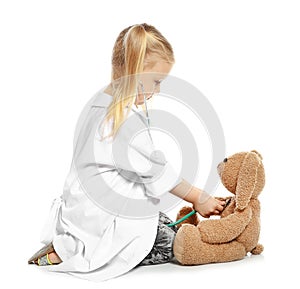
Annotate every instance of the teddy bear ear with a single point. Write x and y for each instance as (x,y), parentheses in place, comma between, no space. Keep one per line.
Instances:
(255,151)
(247,179)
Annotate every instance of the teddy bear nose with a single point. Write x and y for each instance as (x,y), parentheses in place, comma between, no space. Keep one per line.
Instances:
(225,160)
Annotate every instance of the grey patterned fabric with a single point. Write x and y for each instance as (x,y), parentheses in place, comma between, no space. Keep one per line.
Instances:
(43,261)
(162,250)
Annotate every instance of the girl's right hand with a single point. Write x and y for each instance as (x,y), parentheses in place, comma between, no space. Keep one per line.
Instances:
(207,205)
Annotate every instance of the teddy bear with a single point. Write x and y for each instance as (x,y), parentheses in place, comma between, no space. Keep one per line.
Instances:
(236,232)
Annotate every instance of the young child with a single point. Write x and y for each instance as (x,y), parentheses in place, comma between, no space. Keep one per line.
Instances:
(85,239)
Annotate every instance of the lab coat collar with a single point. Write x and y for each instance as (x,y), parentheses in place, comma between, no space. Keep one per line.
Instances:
(102,99)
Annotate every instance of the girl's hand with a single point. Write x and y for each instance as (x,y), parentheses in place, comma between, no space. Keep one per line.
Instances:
(207,205)
(202,202)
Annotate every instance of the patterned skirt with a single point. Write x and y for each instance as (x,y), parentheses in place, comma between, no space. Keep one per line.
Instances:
(162,250)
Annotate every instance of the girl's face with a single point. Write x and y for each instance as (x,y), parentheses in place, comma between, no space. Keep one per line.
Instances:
(151,79)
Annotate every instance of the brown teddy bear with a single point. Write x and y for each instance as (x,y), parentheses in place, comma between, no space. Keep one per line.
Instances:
(237,231)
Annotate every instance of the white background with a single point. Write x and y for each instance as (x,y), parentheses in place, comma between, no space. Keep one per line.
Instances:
(242,55)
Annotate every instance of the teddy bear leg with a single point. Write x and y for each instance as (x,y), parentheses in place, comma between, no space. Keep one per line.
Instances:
(227,252)
(189,249)
(187,245)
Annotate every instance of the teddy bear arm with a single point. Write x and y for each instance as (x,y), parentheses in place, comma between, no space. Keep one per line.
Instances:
(225,229)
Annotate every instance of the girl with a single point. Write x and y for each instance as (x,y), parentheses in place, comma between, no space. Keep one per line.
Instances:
(88,240)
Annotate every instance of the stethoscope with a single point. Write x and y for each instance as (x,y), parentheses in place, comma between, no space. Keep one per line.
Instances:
(148,129)
(145,102)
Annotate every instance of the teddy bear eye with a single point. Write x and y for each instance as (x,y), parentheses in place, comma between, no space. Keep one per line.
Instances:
(225,160)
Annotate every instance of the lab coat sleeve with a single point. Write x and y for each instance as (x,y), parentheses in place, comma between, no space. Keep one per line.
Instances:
(133,154)
(163,182)
(159,176)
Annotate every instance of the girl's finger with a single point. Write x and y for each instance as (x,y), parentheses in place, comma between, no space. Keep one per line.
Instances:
(222,203)
(220,208)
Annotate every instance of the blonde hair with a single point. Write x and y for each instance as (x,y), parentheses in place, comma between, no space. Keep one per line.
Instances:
(132,46)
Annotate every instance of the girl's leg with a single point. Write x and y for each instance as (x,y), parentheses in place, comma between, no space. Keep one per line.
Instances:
(162,250)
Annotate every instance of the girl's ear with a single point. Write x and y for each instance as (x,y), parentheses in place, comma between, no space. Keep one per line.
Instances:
(247,180)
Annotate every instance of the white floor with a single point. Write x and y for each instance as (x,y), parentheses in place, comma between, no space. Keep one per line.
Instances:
(248,273)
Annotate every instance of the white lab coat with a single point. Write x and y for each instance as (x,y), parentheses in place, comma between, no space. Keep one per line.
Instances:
(93,243)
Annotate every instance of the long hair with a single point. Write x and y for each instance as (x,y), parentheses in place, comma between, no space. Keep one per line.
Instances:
(132,46)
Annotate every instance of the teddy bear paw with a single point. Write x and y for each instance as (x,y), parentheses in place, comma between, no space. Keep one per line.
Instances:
(194,220)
